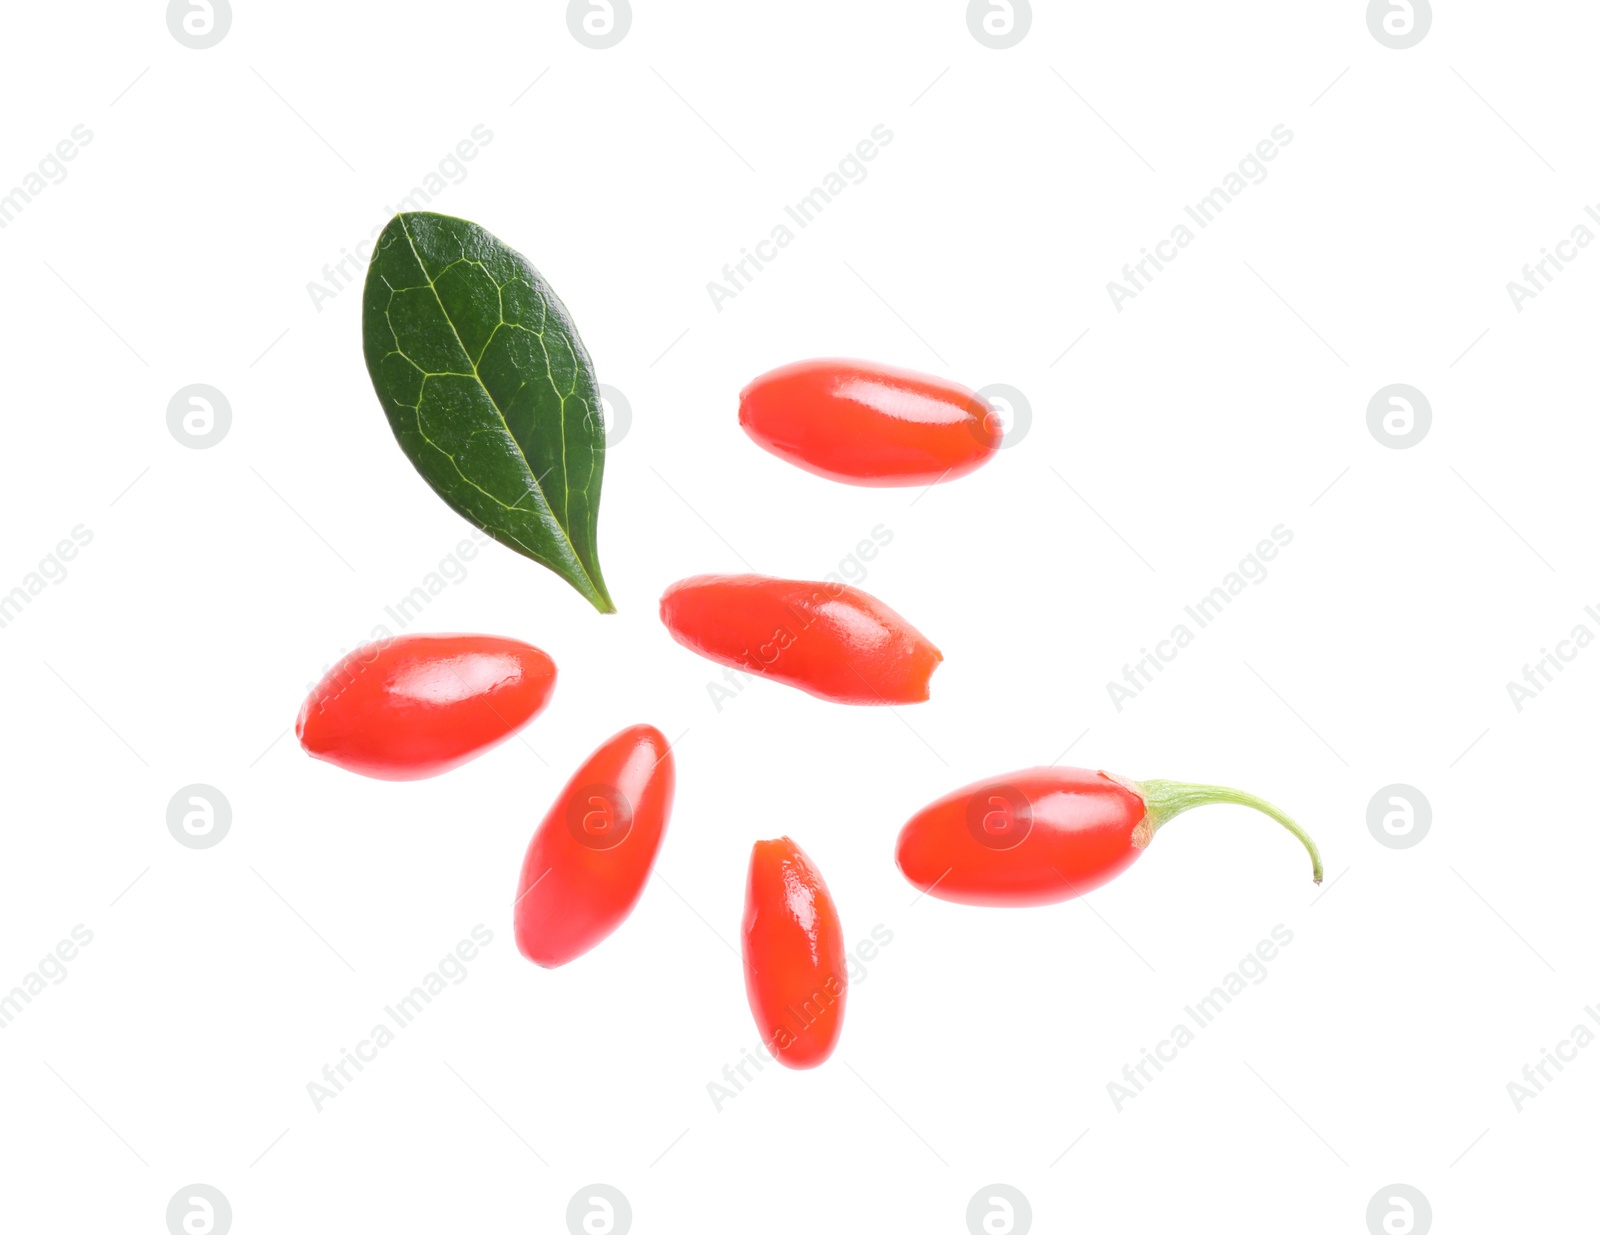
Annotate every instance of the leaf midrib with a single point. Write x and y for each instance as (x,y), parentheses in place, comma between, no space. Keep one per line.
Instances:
(405,230)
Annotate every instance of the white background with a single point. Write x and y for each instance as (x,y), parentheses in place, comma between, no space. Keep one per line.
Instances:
(1173,436)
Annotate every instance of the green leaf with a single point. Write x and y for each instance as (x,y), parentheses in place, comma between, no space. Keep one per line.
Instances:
(489,390)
